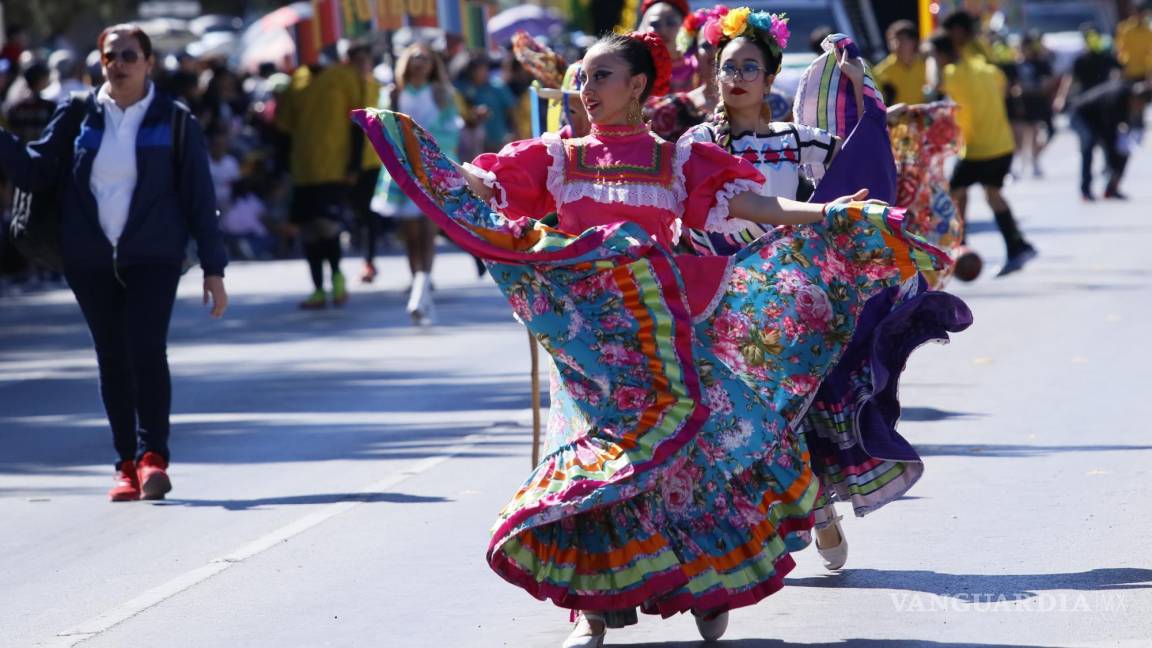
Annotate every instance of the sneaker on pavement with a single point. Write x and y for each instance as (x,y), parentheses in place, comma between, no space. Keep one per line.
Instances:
(316,301)
(368,274)
(152,473)
(420,307)
(339,290)
(127,485)
(1017,261)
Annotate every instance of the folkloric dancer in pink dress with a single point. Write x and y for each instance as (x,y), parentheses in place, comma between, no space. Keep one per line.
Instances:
(677,483)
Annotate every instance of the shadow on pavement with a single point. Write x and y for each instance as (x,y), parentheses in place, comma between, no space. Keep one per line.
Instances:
(274,416)
(984,450)
(319,498)
(1051,288)
(933,414)
(64,451)
(39,325)
(1090,226)
(981,588)
(844,643)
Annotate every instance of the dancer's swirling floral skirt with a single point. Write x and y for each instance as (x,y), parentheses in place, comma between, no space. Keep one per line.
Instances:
(850,425)
(683,485)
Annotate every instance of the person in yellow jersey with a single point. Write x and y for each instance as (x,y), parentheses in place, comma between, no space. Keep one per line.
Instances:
(978,88)
(902,76)
(327,162)
(963,29)
(1134,43)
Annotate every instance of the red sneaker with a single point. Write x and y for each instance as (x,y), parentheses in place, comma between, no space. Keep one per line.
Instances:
(368,275)
(154,482)
(127,486)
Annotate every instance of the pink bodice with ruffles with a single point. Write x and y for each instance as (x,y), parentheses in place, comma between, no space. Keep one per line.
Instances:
(624,174)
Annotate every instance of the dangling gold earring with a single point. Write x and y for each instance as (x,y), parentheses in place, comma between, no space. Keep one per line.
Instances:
(635,116)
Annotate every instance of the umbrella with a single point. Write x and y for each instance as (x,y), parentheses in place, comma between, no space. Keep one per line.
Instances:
(214,45)
(269,40)
(535,20)
(284,17)
(215,23)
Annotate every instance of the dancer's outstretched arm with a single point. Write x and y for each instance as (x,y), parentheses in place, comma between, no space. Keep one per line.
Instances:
(770,210)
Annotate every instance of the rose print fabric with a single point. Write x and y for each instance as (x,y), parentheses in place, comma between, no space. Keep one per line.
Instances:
(850,423)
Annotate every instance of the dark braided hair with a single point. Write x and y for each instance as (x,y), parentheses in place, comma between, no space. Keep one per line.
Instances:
(635,53)
(772,60)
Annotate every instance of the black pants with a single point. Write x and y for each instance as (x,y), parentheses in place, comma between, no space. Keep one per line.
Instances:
(319,210)
(128,317)
(360,199)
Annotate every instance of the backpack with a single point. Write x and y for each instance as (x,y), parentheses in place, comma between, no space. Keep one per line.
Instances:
(36,217)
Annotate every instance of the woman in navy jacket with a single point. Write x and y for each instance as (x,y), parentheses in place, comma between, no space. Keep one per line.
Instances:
(128,208)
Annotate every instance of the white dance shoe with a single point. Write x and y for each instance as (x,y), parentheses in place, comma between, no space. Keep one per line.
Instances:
(835,556)
(712,629)
(582,636)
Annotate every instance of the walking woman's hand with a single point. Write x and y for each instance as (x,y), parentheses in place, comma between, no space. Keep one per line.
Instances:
(214,287)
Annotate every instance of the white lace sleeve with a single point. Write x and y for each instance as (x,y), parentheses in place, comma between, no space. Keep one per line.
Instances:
(555,183)
(683,154)
(698,133)
(499,198)
(719,220)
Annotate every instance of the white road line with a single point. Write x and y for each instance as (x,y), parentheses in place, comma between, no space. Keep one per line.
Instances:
(102,623)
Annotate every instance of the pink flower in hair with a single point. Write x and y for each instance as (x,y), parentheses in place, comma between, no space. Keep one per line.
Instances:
(711,32)
(780,32)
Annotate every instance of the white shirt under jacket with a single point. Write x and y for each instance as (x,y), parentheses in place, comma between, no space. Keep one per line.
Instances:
(114,169)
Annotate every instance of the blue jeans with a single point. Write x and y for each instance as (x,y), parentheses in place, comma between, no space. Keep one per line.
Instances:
(1090,138)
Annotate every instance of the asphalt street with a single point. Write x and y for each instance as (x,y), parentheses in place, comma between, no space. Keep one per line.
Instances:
(336,472)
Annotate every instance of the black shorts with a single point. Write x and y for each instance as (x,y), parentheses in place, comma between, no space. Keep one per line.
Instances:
(310,202)
(989,173)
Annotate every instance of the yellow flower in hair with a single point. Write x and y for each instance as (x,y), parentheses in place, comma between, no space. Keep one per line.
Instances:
(734,24)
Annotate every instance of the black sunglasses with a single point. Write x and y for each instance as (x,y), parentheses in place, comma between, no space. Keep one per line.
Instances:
(668,21)
(128,56)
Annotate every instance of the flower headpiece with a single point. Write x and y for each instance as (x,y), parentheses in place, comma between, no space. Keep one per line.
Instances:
(662,83)
(702,23)
(770,28)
